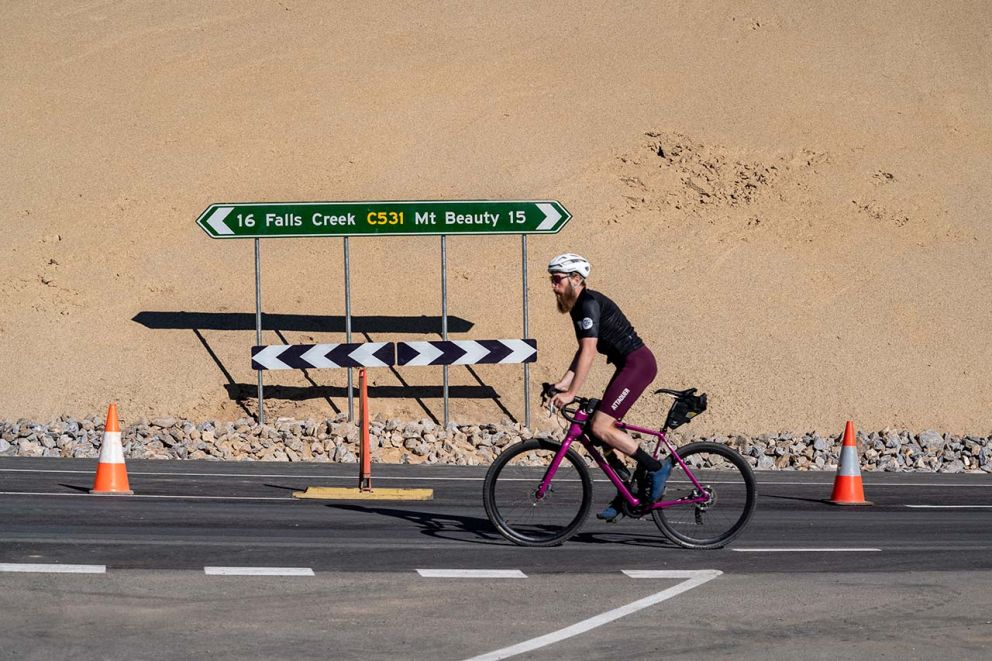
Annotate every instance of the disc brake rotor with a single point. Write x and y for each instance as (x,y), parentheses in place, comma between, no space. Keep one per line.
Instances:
(706,504)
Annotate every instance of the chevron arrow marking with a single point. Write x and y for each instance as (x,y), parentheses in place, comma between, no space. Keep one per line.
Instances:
(521,351)
(317,355)
(268,358)
(551,216)
(426,353)
(216,220)
(365,354)
(474,352)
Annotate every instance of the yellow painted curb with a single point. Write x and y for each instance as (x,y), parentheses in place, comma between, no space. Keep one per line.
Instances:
(344,493)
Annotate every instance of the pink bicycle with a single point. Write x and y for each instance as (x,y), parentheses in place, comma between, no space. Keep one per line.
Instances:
(538,492)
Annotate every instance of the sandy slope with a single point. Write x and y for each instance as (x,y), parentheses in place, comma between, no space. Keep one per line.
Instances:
(811,244)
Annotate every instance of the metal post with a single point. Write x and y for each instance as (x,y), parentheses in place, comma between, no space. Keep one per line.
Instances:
(523,261)
(258,327)
(444,315)
(347,323)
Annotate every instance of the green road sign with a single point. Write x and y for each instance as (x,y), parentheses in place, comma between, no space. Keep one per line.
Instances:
(257,220)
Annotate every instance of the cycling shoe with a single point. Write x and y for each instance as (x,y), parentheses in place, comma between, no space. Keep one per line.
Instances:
(657,480)
(613,511)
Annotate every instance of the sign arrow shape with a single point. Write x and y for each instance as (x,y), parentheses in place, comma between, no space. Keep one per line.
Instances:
(365,354)
(426,353)
(551,216)
(474,352)
(317,356)
(521,351)
(216,220)
(268,358)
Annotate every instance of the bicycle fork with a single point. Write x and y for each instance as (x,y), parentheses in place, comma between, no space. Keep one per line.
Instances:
(574,431)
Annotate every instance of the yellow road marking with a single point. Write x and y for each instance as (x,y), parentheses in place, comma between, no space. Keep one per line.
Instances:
(344,493)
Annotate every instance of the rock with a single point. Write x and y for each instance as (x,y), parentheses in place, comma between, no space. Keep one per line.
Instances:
(931,440)
(956,466)
(424,441)
(765,462)
(30,449)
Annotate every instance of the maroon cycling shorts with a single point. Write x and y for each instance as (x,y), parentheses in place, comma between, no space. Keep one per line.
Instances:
(631,378)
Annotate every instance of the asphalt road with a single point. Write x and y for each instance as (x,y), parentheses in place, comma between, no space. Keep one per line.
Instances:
(908,577)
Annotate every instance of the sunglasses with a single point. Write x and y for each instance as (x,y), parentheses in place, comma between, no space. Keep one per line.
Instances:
(558,277)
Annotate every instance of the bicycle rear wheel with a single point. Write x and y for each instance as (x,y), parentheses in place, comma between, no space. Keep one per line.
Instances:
(510,494)
(728,483)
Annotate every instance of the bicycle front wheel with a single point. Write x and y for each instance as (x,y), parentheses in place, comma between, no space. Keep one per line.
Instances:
(510,494)
(728,484)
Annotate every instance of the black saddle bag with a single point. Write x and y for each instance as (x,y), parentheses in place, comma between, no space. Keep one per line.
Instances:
(685,409)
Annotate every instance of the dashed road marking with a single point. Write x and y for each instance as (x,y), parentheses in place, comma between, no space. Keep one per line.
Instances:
(52,568)
(471,573)
(258,571)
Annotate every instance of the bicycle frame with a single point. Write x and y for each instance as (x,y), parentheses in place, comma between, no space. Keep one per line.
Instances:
(576,431)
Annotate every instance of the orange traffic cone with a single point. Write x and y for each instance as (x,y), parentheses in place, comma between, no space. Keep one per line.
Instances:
(111,475)
(848,489)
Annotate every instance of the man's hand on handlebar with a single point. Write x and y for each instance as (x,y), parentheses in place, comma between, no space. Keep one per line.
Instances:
(560,400)
(549,391)
(554,397)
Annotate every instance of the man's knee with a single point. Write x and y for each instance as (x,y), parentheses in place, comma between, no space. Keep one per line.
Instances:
(602,424)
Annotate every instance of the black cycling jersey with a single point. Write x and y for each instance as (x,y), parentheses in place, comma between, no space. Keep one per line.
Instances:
(595,315)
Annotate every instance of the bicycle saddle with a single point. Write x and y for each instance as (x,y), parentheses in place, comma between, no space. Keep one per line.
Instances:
(677,393)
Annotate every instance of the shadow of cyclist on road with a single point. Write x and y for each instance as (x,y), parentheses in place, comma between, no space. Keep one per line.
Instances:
(473,529)
(478,530)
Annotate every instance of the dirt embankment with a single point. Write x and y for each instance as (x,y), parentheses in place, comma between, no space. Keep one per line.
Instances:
(789,203)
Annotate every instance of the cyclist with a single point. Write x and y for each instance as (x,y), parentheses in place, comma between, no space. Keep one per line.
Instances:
(601,326)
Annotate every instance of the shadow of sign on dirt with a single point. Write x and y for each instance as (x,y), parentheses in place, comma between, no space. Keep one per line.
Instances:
(245,321)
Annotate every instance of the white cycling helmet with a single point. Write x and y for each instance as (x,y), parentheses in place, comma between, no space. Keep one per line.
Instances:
(570,263)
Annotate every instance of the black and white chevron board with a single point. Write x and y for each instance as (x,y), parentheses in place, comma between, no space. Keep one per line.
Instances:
(384,354)
(309,356)
(466,352)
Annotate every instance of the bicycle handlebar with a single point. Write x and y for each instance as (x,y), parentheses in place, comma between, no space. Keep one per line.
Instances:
(568,411)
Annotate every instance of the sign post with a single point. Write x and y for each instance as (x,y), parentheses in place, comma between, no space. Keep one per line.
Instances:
(271,220)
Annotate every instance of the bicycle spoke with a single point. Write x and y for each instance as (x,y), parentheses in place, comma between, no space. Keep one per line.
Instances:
(511,500)
(728,492)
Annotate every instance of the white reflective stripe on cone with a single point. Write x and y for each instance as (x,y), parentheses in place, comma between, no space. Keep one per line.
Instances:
(111,452)
(849,462)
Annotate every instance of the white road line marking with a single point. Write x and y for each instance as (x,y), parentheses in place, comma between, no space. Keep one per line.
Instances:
(696,578)
(471,573)
(52,569)
(258,571)
(669,573)
(140,496)
(378,478)
(948,507)
(480,478)
(806,550)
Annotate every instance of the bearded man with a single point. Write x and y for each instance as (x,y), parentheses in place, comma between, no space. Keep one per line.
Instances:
(601,327)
